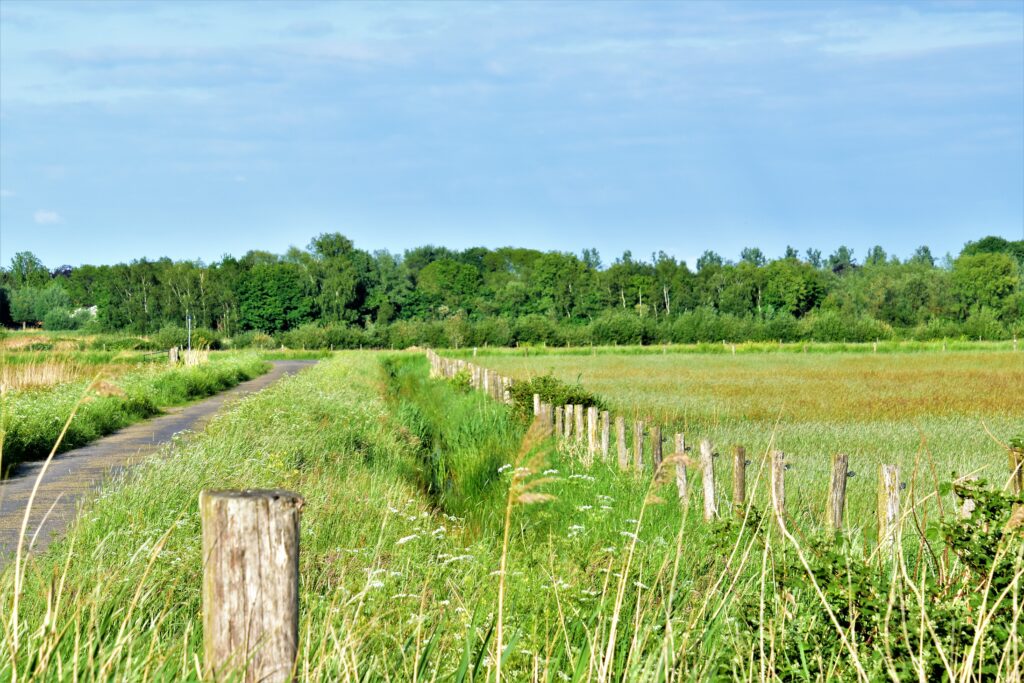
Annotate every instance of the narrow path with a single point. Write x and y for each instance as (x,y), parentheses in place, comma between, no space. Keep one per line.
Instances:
(75,473)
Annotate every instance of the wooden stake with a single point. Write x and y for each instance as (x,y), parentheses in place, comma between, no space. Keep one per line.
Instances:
(592,444)
(605,426)
(707,466)
(172,355)
(778,484)
(682,486)
(536,404)
(739,481)
(558,422)
(577,414)
(620,442)
(250,583)
(1016,457)
(888,507)
(969,504)
(568,420)
(656,446)
(837,491)
(638,445)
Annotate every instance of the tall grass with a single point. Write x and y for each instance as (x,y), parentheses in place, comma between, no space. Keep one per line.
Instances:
(589,573)
(31,420)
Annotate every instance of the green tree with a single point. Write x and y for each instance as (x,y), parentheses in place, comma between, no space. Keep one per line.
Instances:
(273,298)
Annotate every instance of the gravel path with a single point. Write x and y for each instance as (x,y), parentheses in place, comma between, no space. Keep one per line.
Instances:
(73,474)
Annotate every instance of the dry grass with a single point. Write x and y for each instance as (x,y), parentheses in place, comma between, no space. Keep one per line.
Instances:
(40,375)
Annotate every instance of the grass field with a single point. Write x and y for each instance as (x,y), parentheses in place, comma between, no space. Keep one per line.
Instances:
(419,493)
(930,412)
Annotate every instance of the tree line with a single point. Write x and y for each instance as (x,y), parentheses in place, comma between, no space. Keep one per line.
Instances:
(333,294)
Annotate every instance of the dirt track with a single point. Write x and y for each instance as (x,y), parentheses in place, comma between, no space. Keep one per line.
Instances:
(74,474)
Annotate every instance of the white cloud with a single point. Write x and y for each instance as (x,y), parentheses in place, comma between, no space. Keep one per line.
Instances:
(46,217)
(5,193)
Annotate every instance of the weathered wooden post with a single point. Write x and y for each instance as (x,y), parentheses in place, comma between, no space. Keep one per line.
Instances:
(567,414)
(592,444)
(620,442)
(172,355)
(250,583)
(577,416)
(888,508)
(969,504)
(707,466)
(558,422)
(682,486)
(778,483)
(638,445)
(605,428)
(739,481)
(837,490)
(1016,458)
(536,404)
(656,446)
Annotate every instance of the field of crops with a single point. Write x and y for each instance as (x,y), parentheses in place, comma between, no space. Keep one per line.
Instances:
(443,538)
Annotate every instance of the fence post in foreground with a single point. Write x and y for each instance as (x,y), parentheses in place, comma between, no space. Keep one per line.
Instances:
(620,442)
(888,507)
(656,446)
(536,404)
(638,444)
(577,414)
(837,490)
(605,427)
(250,583)
(558,423)
(172,355)
(739,481)
(567,414)
(778,483)
(707,466)
(682,486)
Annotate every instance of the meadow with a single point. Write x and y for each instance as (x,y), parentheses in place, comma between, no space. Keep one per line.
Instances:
(445,538)
(932,413)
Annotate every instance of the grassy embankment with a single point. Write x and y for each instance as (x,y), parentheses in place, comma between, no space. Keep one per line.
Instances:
(117,393)
(409,483)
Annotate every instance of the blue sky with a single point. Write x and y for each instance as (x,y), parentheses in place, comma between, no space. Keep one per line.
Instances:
(197,129)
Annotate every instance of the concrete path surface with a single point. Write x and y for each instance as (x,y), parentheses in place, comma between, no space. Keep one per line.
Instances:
(73,474)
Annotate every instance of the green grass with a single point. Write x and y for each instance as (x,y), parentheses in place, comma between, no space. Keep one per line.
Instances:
(408,482)
(31,420)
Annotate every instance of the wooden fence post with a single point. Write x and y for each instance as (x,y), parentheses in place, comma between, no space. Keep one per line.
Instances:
(739,481)
(577,414)
(620,442)
(682,486)
(605,426)
(536,404)
(969,504)
(592,443)
(638,444)
(1016,456)
(250,583)
(707,466)
(656,446)
(837,490)
(888,507)
(172,355)
(558,422)
(778,483)
(567,415)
